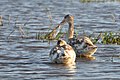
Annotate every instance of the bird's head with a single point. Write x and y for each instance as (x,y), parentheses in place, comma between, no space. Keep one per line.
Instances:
(67,19)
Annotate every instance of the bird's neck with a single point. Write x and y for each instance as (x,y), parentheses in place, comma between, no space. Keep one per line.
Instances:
(71,30)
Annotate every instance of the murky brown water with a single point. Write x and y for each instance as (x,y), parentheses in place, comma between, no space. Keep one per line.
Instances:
(27,58)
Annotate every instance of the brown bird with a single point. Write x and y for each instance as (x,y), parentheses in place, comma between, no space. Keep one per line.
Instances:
(62,53)
(83,46)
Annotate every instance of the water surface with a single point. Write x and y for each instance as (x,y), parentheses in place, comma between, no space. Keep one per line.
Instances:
(27,58)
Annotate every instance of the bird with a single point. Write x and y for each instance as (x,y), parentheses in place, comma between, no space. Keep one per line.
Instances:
(82,45)
(62,53)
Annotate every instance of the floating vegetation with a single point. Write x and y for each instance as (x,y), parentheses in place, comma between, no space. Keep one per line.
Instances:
(48,36)
(107,38)
(95,39)
(111,38)
(102,38)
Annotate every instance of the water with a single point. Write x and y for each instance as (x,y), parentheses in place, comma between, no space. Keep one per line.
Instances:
(27,58)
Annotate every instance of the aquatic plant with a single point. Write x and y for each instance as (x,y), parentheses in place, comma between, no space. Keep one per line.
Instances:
(49,36)
(18,27)
(104,38)
(111,38)
(107,38)
(101,38)
(54,33)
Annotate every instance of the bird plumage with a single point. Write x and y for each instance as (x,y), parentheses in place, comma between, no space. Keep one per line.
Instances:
(62,53)
(83,46)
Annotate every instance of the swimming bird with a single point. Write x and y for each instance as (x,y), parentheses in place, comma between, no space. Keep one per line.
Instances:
(83,46)
(62,53)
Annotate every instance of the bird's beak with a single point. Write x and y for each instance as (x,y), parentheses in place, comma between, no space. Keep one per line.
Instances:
(63,22)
